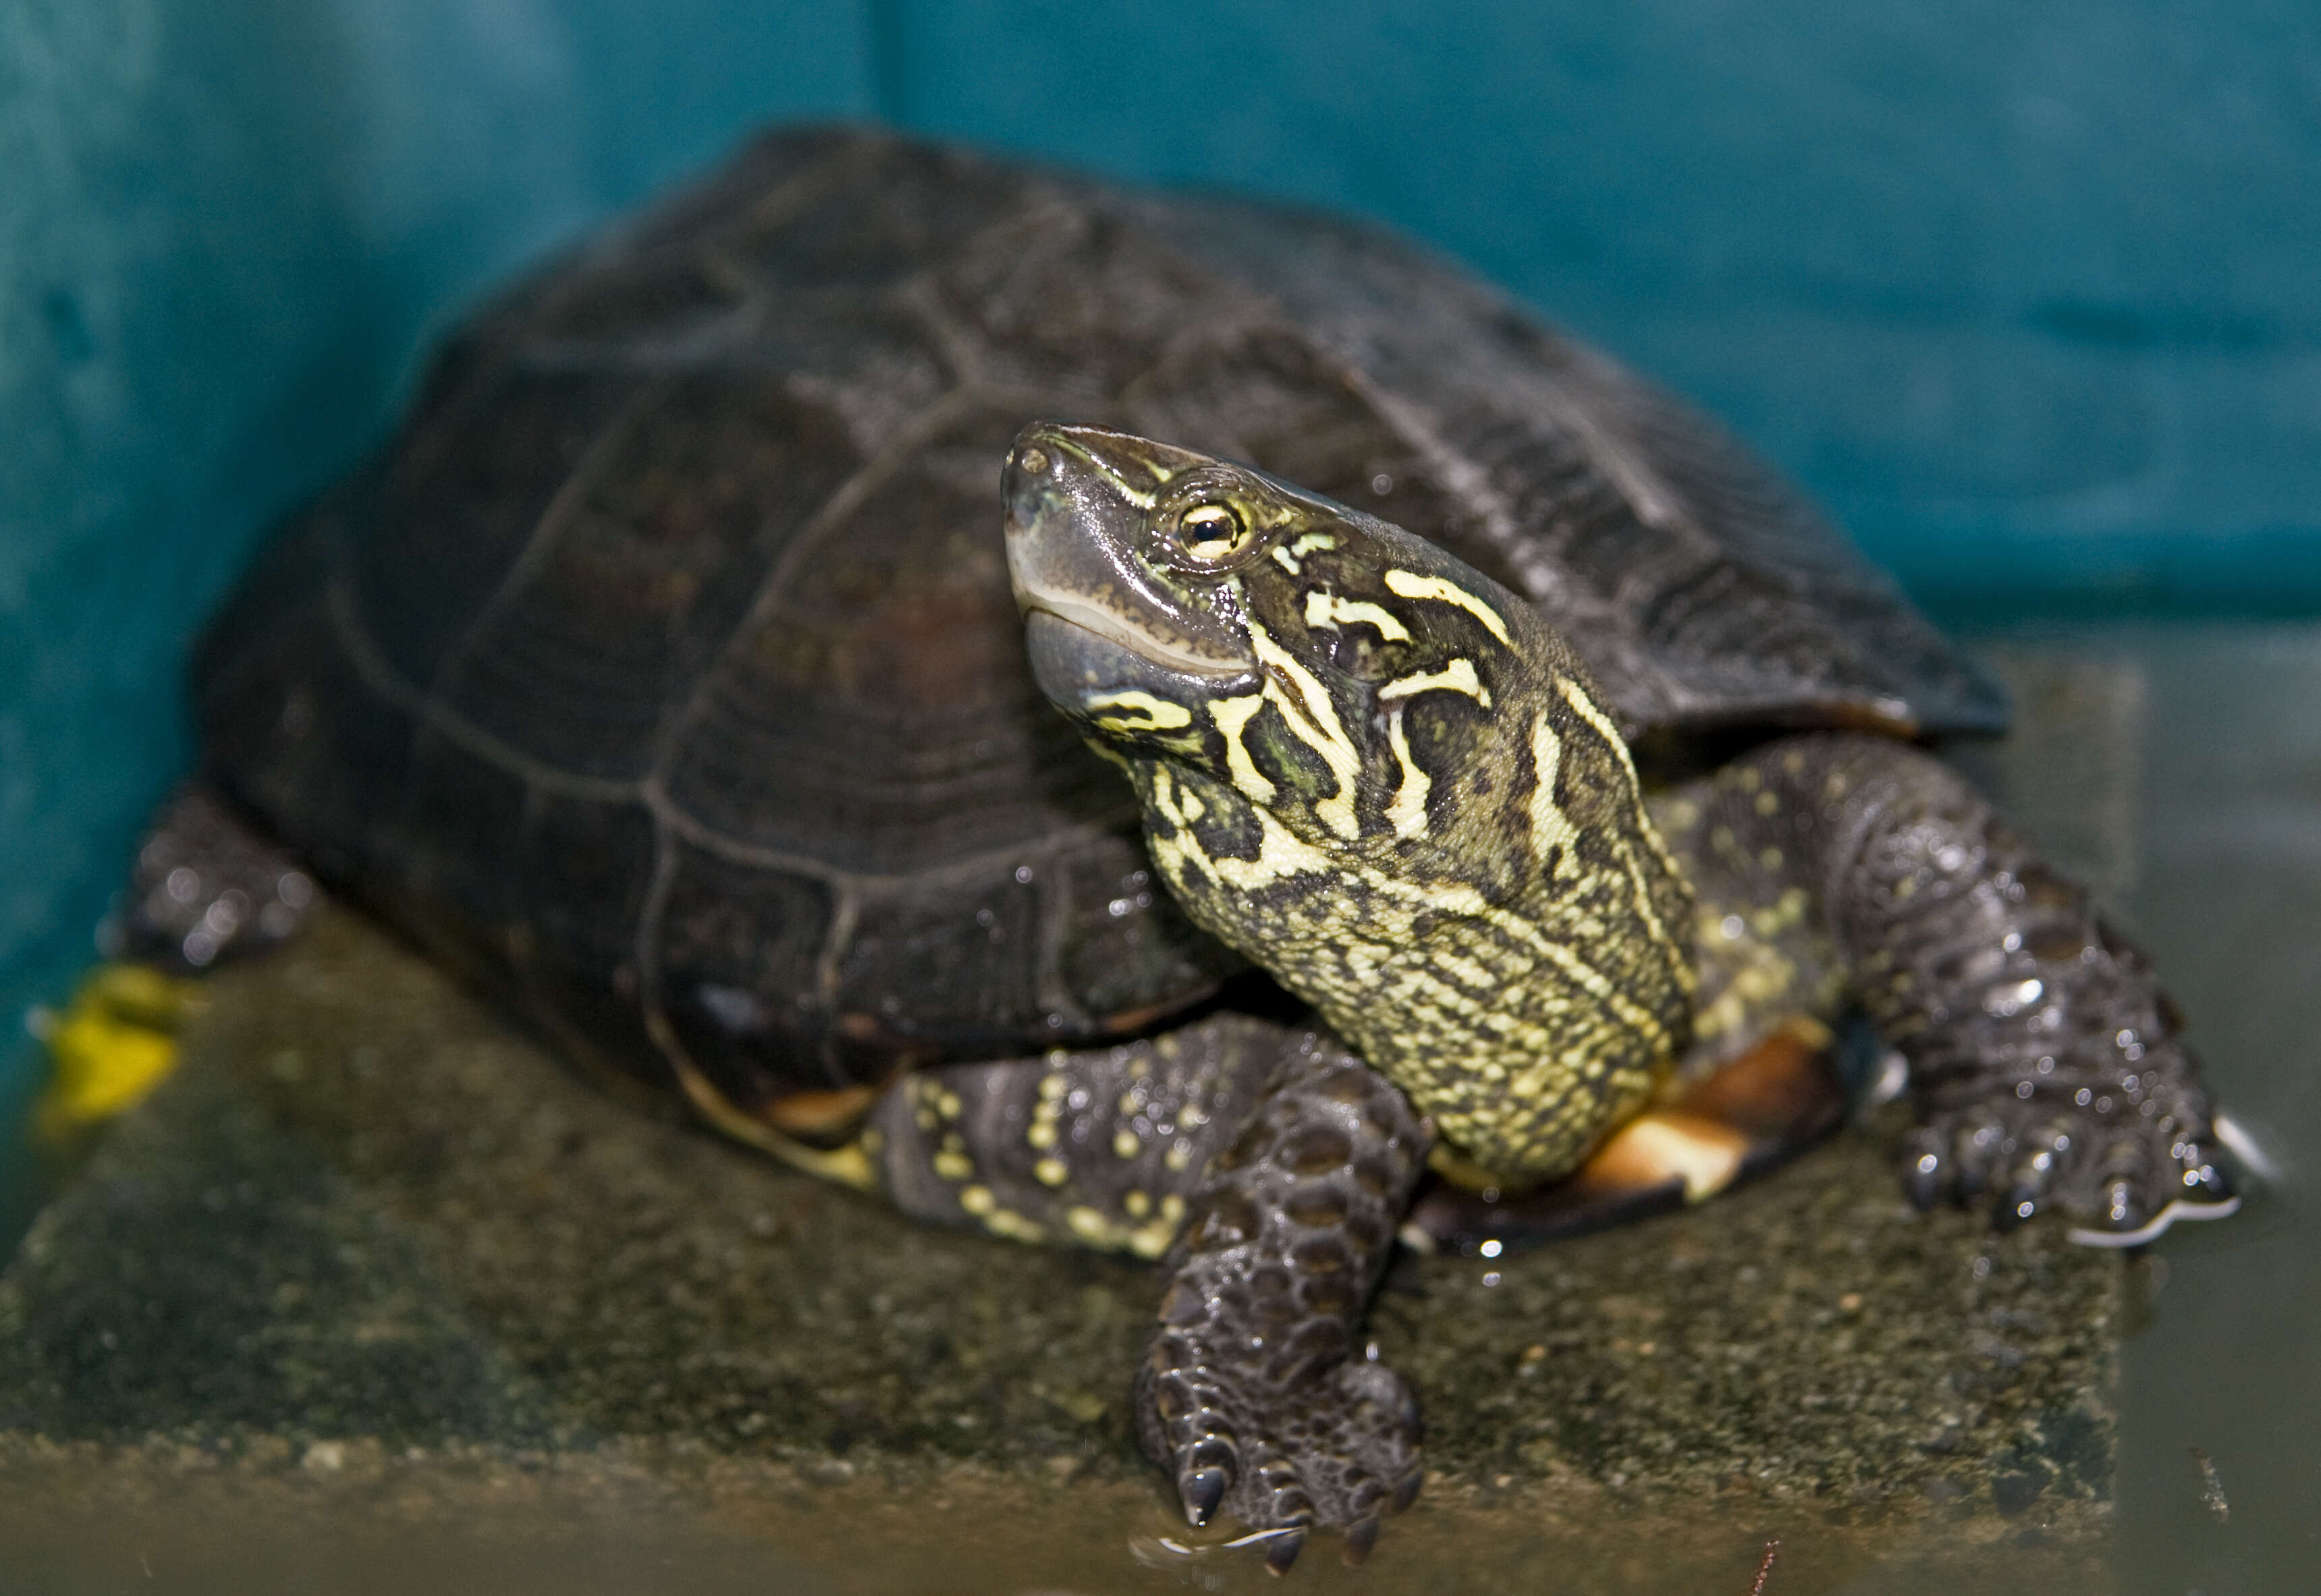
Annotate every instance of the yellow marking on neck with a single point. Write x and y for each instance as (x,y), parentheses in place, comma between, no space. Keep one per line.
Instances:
(1320,730)
(1327,609)
(1586,708)
(1309,541)
(1281,855)
(1457,676)
(1410,584)
(1158,714)
(1232,716)
(1106,752)
(1287,559)
(1550,828)
(1407,813)
(1281,852)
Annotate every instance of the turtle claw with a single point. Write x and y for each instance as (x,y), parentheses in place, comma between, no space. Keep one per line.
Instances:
(1201,1490)
(1336,1449)
(2018,1205)
(2122,1210)
(1925,1179)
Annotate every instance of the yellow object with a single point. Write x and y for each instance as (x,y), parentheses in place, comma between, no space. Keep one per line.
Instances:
(115,1041)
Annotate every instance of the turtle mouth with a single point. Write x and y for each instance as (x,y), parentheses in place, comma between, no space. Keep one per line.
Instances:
(1090,673)
(1112,629)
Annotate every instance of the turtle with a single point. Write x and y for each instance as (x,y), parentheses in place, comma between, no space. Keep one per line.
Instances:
(1156,721)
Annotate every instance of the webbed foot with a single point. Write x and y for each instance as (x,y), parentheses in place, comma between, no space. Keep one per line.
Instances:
(2127,1153)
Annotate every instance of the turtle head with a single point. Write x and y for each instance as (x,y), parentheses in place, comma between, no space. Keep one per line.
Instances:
(1349,682)
(1369,768)
(1183,607)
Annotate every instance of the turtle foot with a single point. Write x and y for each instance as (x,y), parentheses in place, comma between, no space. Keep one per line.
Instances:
(206,886)
(1255,1398)
(1337,1450)
(2126,1156)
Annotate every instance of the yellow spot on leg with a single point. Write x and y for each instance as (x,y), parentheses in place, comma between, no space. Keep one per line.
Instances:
(1013,1226)
(1092,1226)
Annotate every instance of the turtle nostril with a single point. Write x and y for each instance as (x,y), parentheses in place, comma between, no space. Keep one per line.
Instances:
(1023,487)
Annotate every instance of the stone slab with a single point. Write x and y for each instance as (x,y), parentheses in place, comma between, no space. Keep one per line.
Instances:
(373,1258)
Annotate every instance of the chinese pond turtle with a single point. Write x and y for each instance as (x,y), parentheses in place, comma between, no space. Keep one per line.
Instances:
(666,674)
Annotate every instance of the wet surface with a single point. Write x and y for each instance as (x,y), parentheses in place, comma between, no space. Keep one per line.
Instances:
(374,1290)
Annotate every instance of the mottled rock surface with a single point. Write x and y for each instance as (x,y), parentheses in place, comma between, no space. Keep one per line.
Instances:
(375,1294)
(372,1251)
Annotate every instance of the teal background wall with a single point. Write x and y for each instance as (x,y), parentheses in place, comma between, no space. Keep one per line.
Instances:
(2028,293)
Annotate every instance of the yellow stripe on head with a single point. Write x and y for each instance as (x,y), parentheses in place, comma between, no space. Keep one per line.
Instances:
(1457,676)
(1327,609)
(1410,584)
(1143,712)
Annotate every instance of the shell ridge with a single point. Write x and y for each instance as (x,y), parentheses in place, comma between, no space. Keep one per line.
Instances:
(669,740)
(540,543)
(380,674)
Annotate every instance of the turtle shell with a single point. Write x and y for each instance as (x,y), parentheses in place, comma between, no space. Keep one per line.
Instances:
(663,669)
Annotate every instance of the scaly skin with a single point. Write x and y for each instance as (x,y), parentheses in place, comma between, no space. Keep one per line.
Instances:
(1253,1396)
(1103,1146)
(1278,1166)
(2044,1057)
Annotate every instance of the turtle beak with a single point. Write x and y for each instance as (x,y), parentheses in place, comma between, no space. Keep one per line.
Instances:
(1078,500)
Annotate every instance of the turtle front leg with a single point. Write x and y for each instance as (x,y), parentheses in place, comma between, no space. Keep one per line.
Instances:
(2044,1057)
(1271,1167)
(1253,1394)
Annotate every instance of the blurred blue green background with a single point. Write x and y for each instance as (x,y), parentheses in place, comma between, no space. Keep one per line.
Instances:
(2028,294)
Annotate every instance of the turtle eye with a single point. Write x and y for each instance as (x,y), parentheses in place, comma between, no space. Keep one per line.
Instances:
(1210,534)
